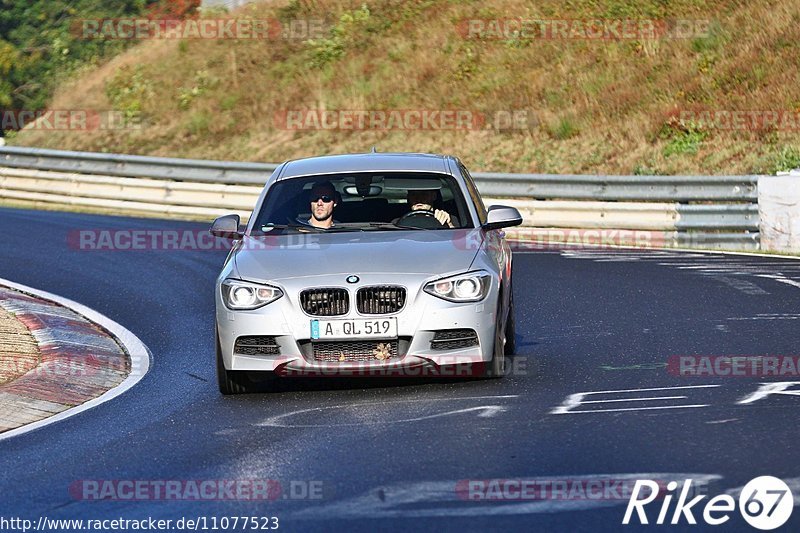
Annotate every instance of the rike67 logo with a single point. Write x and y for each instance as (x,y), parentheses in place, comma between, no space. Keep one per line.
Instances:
(766,503)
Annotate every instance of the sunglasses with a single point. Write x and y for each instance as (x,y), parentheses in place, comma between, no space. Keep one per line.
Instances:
(324,197)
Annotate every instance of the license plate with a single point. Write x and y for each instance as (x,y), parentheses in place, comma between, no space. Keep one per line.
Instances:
(357,328)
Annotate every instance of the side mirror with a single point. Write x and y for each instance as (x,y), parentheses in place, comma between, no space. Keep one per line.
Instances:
(227,227)
(501,216)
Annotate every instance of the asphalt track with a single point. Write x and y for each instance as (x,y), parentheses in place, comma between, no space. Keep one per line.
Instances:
(389,455)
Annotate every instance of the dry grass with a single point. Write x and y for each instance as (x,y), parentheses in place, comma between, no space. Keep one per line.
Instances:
(600,106)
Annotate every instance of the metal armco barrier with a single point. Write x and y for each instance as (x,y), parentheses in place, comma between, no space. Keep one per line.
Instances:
(616,188)
(135,166)
(711,212)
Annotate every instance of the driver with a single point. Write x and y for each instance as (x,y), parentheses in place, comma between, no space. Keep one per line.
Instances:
(423,199)
(323,200)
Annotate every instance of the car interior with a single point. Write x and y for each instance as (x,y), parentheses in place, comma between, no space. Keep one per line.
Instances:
(362,199)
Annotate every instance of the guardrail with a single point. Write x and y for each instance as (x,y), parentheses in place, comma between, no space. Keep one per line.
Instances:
(135,166)
(695,211)
(621,188)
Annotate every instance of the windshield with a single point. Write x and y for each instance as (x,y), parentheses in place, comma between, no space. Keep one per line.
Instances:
(364,202)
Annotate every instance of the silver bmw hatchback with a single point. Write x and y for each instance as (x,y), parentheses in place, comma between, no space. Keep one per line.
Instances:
(365,265)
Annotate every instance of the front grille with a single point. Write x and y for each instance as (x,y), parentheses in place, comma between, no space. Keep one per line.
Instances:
(453,339)
(354,351)
(380,300)
(261,345)
(325,302)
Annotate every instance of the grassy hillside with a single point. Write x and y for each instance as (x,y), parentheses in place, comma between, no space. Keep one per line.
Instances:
(597,106)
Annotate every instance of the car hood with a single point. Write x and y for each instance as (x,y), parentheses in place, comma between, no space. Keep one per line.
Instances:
(370,252)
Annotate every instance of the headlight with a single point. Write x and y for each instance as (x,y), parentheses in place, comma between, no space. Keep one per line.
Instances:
(471,287)
(240,295)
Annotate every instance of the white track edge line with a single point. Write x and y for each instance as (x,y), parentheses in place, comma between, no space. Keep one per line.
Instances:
(617,247)
(137,351)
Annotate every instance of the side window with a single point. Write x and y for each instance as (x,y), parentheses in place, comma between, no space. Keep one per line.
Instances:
(473,193)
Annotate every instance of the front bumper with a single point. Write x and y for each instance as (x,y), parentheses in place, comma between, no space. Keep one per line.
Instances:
(422,315)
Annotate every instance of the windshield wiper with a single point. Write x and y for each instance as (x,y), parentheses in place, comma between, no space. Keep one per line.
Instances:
(267,228)
(385,225)
(333,229)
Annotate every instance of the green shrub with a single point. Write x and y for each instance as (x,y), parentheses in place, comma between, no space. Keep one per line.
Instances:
(683,138)
(787,159)
(128,92)
(645,170)
(202,82)
(565,128)
(199,123)
(343,35)
(228,102)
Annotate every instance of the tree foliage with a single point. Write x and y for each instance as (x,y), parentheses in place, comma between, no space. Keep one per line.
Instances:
(40,42)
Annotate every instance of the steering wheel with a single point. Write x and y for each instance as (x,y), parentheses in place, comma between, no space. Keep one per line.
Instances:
(422,218)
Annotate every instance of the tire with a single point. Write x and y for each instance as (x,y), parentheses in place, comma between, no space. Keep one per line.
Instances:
(495,368)
(230,381)
(511,329)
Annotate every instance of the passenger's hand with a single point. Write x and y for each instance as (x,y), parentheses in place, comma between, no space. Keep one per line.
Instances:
(443,217)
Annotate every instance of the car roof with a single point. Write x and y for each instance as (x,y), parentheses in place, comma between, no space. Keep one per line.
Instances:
(372,162)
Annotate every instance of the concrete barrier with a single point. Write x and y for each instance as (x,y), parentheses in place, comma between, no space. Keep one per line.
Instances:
(779,203)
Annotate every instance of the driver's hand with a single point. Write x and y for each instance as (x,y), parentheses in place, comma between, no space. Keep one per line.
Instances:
(443,217)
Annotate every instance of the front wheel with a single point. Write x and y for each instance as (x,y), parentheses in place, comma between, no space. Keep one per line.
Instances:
(511,328)
(496,367)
